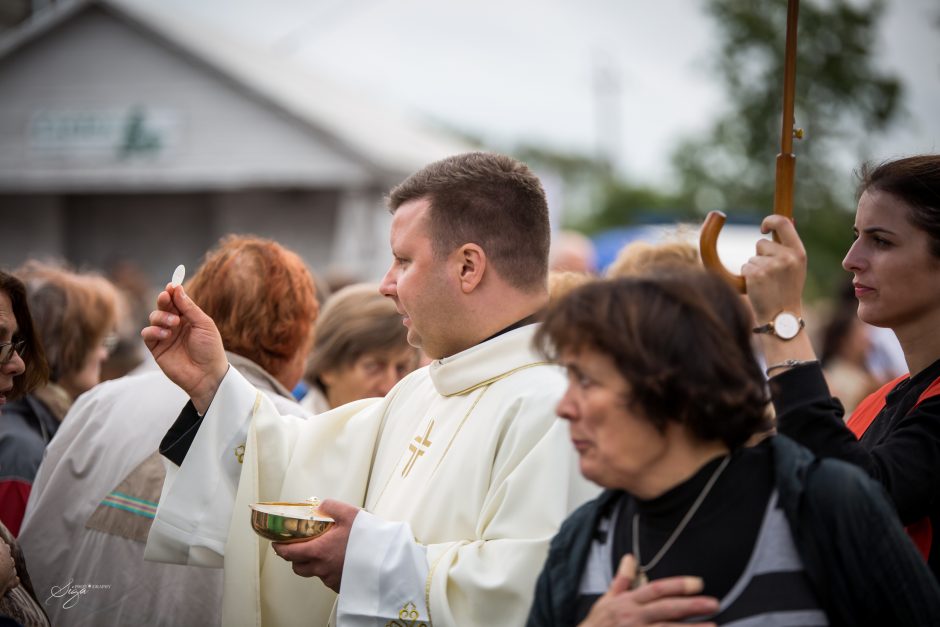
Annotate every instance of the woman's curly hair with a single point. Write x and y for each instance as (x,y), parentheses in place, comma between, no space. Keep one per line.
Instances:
(682,341)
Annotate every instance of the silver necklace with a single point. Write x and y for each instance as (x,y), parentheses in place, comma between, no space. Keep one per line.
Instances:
(641,578)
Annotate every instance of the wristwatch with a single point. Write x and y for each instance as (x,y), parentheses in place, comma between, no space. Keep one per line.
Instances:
(785,325)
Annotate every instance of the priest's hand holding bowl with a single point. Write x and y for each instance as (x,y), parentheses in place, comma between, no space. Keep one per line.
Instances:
(324,555)
(186,345)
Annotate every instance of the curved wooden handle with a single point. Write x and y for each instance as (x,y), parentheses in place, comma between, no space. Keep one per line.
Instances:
(786,164)
(708,246)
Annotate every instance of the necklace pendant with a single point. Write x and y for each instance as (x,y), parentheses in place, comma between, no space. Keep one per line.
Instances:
(640,580)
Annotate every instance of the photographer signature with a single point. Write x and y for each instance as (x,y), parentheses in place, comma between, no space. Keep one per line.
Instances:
(72,593)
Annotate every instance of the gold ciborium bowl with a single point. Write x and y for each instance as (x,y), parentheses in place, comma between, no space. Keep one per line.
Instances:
(288,522)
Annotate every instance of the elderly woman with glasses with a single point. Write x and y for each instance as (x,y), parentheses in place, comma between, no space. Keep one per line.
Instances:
(695,526)
(22,369)
(22,361)
(73,316)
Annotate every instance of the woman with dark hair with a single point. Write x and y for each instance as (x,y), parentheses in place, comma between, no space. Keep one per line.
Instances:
(663,393)
(18,376)
(894,434)
(73,315)
(22,369)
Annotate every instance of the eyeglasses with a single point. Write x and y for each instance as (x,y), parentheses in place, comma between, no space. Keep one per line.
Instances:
(8,348)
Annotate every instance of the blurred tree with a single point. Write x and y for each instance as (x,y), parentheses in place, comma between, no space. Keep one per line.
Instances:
(596,199)
(842,99)
(621,203)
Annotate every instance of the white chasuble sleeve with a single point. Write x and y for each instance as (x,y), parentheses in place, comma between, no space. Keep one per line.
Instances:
(192,520)
(384,575)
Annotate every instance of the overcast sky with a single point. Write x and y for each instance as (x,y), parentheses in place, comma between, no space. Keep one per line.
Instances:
(514,71)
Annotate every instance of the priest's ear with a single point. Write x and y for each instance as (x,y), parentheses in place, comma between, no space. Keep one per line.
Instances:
(471,265)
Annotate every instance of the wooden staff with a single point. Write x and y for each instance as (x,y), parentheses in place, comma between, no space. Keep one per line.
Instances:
(786,163)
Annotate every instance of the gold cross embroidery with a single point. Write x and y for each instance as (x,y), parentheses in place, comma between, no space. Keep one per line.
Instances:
(417,451)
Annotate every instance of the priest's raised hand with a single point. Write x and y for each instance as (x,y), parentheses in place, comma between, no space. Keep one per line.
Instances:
(186,345)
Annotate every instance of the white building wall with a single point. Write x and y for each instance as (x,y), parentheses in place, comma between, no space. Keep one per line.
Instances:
(361,235)
(212,133)
(301,220)
(210,157)
(33,228)
(155,232)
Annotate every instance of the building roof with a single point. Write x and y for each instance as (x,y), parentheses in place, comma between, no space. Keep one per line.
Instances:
(386,141)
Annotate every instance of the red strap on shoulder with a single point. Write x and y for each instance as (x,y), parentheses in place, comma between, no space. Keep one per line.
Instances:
(866,411)
(932,390)
(920,532)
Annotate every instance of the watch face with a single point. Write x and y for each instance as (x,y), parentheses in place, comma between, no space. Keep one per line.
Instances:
(786,325)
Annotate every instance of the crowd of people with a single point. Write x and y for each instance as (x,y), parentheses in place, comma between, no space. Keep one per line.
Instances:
(498,441)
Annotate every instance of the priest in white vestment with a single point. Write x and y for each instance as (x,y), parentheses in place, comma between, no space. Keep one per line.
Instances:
(462,472)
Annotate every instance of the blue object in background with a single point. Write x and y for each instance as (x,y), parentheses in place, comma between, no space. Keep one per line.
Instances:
(608,243)
(300,390)
(735,244)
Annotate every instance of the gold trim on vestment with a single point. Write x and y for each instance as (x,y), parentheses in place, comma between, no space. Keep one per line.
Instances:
(257,405)
(428,581)
(459,427)
(497,378)
(252,437)
(240,449)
